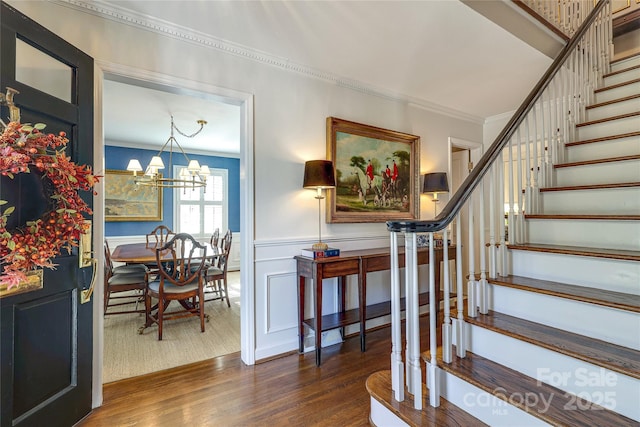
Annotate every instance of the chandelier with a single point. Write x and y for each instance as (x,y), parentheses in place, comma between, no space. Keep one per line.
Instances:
(192,176)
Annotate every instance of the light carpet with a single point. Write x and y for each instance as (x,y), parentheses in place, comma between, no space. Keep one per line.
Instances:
(128,354)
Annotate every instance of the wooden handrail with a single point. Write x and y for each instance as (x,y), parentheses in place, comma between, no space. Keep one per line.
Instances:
(484,164)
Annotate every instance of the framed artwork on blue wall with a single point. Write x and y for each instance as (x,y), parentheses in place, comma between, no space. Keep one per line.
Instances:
(126,201)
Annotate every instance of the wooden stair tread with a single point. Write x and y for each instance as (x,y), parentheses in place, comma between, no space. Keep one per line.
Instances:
(447,414)
(609,119)
(584,217)
(613,101)
(504,383)
(592,187)
(598,161)
(602,139)
(624,70)
(600,353)
(620,254)
(605,297)
(624,58)
(605,88)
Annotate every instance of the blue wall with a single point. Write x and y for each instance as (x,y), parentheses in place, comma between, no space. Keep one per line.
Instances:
(118,158)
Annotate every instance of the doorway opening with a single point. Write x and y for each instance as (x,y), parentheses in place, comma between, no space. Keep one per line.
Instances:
(243,273)
(463,155)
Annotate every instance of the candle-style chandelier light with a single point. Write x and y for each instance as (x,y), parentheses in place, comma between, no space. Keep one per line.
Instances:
(192,176)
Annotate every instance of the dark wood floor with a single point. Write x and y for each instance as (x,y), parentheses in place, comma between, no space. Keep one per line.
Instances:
(225,392)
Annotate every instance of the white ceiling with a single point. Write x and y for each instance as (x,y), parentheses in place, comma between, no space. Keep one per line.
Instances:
(139,116)
(430,52)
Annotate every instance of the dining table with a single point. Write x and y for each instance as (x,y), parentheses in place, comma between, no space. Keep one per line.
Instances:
(145,253)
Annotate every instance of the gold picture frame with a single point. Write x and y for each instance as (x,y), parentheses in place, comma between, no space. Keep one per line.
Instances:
(127,201)
(377,173)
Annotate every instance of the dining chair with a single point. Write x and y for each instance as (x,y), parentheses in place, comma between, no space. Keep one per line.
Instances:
(215,238)
(160,235)
(181,279)
(216,275)
(117,280)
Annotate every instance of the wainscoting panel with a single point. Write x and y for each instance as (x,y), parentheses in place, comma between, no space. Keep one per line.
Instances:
(276,291)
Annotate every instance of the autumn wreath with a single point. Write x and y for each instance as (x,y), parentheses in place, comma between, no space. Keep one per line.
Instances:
(24,148)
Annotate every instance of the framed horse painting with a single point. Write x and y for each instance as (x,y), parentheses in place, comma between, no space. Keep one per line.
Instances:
(377,173)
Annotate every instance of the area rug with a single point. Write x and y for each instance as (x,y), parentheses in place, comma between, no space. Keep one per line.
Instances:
(128,353)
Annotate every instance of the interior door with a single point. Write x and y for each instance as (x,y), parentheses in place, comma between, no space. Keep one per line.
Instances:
(46,334)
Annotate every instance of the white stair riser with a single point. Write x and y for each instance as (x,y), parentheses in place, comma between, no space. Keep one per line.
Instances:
(622,77)
(627,63)
(608,234)
(602,201)
(598,173)
(616,109)
(564,372)
(611,127)
(603,149)
(586,319)
(616,93)
(615,275)
(381,416)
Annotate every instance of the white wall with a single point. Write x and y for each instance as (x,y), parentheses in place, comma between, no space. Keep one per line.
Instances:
(289,128)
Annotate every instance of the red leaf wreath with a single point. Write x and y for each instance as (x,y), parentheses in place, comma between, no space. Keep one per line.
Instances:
(24,148)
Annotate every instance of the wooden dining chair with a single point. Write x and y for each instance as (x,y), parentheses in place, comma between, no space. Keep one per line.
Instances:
(180,278)
(131,279)
(215,238)
(160,235)
(216,275)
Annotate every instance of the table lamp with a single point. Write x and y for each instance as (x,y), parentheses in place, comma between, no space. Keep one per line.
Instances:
(319,175)
(435,183)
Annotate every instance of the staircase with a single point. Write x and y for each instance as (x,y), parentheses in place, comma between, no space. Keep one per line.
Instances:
(559,343)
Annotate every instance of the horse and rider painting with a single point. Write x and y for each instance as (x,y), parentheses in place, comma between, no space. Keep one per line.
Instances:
(376,173)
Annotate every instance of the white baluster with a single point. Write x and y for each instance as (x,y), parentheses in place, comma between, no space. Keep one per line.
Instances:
(492,222)
(397,365)
(482,286)
(461,329)
(472,302)
(408,283)
(534,190)
(543,151)
(414,375)
(433,372)
(520,222)
(502,250)
(527,188)
(446,327)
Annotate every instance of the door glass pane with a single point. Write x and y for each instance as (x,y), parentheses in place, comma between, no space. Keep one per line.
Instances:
(40,71)
(189,219)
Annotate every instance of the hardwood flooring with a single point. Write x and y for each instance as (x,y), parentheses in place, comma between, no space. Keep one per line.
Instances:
(225,392)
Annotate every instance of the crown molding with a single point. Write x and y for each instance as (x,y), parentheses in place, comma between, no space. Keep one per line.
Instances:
(159,26)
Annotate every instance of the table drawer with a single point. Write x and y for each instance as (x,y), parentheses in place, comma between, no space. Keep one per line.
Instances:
(339,268)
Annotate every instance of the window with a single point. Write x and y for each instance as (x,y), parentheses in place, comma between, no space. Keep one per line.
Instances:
(200,211)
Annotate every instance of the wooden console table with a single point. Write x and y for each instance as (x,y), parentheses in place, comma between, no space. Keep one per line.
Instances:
(358,262)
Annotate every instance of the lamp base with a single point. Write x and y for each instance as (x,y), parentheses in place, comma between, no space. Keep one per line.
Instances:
(319,246)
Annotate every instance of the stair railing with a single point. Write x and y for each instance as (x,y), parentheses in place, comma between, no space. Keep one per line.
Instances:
(519,162)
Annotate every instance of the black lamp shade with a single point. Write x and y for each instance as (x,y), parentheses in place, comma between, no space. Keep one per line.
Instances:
(435,183)
(319,174)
